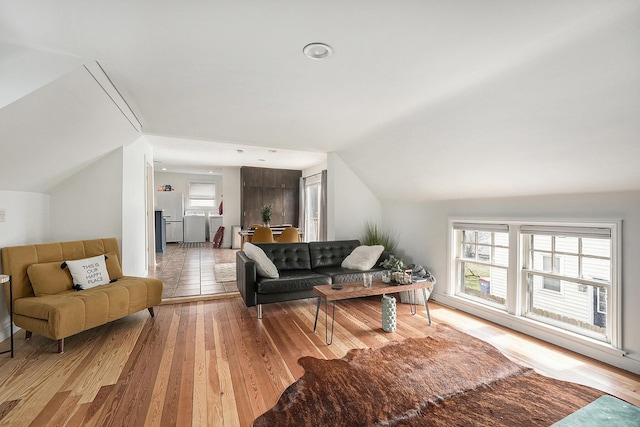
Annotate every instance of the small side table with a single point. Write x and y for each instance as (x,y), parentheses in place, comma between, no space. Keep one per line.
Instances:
(4,279)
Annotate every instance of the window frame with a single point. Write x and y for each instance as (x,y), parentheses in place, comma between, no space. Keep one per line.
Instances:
(518,290)
(461,259)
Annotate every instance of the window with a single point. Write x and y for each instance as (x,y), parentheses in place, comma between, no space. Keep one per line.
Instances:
(481,261)
(560,275)
(312,194)
(581,261)
(314,205)
(202,195)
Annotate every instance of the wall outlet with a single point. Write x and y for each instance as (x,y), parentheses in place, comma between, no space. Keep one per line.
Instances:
(3,213)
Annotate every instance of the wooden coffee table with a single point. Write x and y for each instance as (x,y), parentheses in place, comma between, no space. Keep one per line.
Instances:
(357,290)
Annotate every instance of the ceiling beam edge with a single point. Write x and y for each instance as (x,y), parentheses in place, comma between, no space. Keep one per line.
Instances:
(101,77)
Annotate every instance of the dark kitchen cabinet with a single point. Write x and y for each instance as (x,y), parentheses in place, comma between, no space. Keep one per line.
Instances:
(278,187)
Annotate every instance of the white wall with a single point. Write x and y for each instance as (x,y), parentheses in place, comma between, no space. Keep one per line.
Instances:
(232,215)
(424,240)
(180,183)
(134,207)
(26,70)
(350,203)
(89,204)
(314,169)
(27,222)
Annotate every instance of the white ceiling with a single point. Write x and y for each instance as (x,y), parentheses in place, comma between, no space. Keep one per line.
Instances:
(422,99)
(190,156)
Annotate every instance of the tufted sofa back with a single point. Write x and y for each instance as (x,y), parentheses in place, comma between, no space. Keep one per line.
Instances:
(288,256)
(308,256)
(331,254)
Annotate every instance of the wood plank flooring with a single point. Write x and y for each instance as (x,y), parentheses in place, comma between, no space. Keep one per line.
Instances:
(213,363)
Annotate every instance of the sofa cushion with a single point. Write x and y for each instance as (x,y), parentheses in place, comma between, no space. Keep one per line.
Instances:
(265,267)
(89,272)
(292,281)
(113,266)
(332,253)
(346,275)
(287,256)
(71,312)
(363,257)
(48,278)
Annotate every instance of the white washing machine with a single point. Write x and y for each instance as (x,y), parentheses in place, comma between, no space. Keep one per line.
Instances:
(195,227)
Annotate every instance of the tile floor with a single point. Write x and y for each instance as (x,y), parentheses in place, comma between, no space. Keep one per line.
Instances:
(188,271)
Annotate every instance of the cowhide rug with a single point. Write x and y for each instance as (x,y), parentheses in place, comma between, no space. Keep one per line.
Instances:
(448,379)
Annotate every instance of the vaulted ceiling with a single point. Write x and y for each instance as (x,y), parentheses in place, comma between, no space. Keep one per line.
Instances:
(422,99)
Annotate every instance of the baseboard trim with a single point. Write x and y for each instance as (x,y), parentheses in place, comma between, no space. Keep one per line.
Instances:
(179,300)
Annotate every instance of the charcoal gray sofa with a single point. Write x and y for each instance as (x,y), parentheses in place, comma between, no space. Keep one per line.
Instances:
(301,266)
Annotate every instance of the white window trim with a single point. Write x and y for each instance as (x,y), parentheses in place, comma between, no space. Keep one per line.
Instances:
(516,301)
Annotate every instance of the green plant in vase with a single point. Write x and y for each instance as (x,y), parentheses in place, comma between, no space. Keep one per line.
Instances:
(375,235)
(266,213)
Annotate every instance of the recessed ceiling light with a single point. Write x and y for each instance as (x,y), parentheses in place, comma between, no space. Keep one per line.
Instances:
(164,169)
(273,151)
(240,151)
(261,160)
(317,50)
(210,171)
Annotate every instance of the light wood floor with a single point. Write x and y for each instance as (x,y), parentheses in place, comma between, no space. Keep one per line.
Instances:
(213,363)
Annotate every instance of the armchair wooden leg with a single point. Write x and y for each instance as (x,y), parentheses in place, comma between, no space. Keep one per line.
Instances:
(27,335)
(151,311)
(61,345)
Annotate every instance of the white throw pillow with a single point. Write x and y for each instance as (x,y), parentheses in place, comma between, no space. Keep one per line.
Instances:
(89,272)
(265,267)
(363,257)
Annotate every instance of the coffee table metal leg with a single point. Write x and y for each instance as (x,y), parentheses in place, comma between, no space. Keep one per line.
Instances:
(326,321)
(413,302)
(426,304)
(315,324)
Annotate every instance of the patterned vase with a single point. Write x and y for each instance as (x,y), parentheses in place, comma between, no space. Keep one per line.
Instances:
(388,313)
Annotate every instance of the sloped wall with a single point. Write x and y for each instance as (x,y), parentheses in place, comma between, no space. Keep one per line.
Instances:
(350,202)
(57,130)
(88,205)
(26,70)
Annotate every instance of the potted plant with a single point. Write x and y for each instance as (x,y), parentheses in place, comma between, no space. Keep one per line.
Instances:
(265,213)
(375,235)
